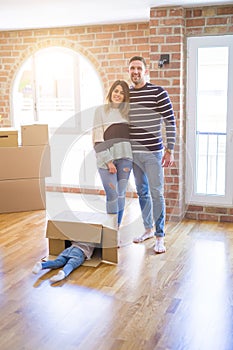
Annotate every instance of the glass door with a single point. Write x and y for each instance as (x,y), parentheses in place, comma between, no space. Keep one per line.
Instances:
(209,120)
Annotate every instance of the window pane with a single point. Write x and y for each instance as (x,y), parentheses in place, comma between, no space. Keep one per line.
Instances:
(55,82)
(211,119)
(23,95)
(212,89)
(53,86)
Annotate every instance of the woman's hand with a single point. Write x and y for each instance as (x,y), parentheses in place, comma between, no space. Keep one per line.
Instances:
(111,168)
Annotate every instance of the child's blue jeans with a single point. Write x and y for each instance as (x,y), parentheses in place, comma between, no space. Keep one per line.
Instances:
(71,258)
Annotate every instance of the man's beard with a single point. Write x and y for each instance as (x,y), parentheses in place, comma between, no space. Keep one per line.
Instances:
(137,81)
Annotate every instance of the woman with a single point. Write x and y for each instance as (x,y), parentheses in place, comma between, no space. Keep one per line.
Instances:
(112,147)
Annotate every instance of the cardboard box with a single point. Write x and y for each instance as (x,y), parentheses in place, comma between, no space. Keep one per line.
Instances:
(25,162)
(8,137)
(22,195)
(34,135)
(96,228)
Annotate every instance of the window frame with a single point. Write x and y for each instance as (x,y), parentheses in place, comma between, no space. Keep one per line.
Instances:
(193,43)
(78,102)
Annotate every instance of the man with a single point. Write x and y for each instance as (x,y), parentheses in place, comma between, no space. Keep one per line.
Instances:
(150,106)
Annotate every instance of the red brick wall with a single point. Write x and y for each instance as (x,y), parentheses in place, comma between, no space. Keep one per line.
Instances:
(213,20)
(167,28)
(199,212)
(109,48)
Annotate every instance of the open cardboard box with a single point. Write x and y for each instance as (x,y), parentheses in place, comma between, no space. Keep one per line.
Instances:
(90,227)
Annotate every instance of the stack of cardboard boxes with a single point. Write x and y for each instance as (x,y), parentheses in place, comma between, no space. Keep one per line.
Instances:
(24,168)
(22,188)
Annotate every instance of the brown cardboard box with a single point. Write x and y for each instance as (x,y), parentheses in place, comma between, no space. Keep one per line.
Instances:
(96,228)
(8,137)
(34,135)
(22,195)
(25,162)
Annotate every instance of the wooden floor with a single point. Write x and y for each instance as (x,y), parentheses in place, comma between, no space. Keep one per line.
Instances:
(179,300)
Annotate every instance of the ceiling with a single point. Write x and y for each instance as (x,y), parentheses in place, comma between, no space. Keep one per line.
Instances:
(24,14)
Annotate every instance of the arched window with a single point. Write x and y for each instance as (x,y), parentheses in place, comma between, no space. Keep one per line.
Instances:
(58,86)
(53,85)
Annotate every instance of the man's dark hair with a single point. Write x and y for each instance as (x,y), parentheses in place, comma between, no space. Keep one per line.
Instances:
(138,58)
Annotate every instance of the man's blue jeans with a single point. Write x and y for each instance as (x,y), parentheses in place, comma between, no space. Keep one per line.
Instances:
(71,258)
(115,186)
(149,180)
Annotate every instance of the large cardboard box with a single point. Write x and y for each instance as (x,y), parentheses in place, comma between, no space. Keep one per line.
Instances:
(25,162)
(34,135)
(96,228)
(22,195)
(8,137)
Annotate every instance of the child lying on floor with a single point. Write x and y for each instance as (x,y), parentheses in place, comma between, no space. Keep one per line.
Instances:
(71,258)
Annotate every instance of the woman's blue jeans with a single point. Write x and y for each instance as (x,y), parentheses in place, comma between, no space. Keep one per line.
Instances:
(115,186)
(149,180)
(70,258)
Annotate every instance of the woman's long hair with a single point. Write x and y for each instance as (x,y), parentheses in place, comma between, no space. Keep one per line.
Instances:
(124,106)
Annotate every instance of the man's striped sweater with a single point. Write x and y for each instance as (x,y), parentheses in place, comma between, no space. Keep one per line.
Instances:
(150,106)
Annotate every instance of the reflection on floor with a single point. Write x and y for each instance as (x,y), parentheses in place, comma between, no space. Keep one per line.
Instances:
(180,300)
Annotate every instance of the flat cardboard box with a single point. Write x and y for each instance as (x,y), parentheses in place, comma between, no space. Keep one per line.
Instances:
(8,137)
(34,135)
(90,227)
(22,195)
(25,162)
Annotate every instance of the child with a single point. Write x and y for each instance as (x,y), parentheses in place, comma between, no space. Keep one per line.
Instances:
(71,258)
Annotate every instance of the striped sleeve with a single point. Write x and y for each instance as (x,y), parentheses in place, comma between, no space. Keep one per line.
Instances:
(102,153)
(164,107)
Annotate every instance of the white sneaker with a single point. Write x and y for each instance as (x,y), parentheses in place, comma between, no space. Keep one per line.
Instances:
(159,247)
(143,237)
(58,277)
(37,267)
